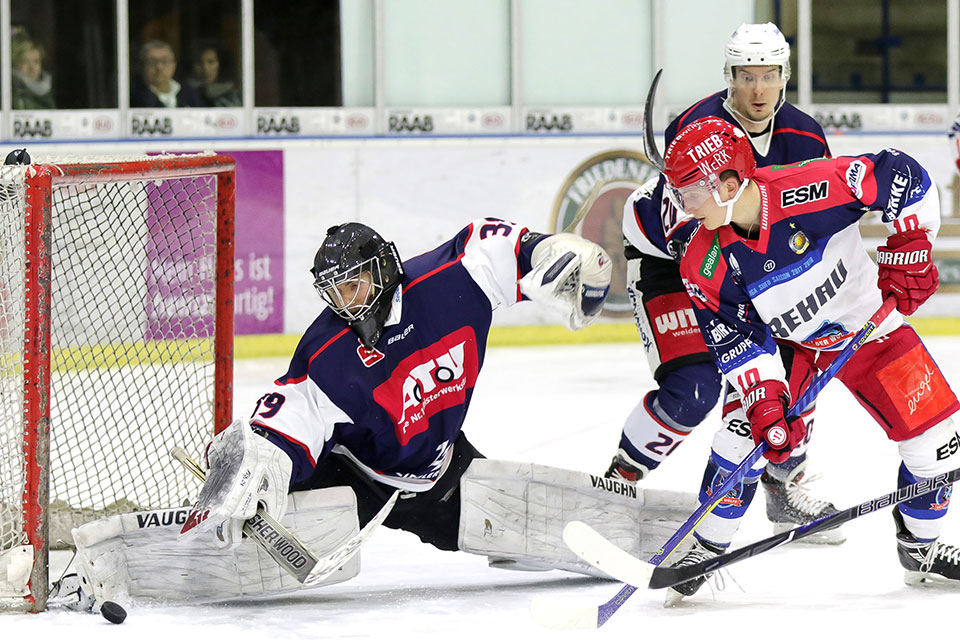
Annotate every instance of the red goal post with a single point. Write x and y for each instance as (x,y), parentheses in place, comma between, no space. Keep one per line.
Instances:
(116,342)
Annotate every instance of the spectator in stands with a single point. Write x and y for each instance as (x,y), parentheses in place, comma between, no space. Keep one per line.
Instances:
(156,86)
(32,86)
(214,91)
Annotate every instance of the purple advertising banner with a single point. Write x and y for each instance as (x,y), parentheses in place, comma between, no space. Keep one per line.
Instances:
(180,247)
(180,216)
(258,248)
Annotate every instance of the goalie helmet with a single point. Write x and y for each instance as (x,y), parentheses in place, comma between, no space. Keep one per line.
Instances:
(757,45)
(699,155)
(355,272)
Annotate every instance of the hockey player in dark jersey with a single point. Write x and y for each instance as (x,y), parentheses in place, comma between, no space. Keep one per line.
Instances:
(379,386)
(756,68)
(775,263)
(366,424)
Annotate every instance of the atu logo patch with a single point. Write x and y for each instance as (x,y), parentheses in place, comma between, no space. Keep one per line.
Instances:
(429,381)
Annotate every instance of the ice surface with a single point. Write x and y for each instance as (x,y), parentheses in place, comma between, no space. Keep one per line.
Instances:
(564,406)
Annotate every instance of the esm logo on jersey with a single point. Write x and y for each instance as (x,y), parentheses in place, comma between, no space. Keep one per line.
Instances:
(807,193)
(429,381)
(617,174)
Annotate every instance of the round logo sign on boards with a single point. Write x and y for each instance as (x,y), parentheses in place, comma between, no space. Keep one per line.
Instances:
(619,173)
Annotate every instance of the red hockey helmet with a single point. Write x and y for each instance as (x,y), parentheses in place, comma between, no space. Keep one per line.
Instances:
(702,151)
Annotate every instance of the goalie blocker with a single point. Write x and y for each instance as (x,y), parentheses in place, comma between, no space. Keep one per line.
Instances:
(512,512)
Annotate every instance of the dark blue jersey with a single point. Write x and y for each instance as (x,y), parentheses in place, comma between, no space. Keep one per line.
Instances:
(650,221)
(397,409)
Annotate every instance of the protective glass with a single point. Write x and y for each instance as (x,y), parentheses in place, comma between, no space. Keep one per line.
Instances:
(352,293)
(745,80)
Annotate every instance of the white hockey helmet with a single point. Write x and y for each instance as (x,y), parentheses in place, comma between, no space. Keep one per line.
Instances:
(756,45)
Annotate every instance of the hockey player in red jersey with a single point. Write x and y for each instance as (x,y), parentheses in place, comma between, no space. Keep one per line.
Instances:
(756,68)
(776,263)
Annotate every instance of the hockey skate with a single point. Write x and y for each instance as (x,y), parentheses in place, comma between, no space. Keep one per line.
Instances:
(926,562)
(623,467)
(697,552)
(789,504)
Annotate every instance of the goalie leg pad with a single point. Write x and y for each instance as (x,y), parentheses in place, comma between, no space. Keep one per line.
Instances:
(16,565)
(517,511)
(137,557)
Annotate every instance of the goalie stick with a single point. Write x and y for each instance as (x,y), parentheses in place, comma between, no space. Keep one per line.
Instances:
(591,547)
(284,547)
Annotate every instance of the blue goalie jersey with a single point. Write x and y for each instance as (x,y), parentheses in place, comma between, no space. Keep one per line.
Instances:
(397,409)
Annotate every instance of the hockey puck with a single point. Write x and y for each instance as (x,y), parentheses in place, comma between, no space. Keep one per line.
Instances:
(113,612)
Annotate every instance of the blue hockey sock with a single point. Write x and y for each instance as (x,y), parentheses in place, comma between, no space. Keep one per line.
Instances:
(923,515)
(719,526)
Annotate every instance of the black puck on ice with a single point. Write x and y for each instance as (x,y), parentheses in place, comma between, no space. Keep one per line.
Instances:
(113,612)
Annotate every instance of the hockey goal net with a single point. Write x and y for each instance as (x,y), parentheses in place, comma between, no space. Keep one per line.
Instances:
(116,341)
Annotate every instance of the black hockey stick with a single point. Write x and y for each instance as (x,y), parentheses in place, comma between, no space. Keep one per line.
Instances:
(668,576)
(593,548)
(661,577)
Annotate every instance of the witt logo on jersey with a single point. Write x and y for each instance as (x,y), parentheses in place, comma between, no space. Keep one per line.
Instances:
(429,381)
(671,321)
(675,327)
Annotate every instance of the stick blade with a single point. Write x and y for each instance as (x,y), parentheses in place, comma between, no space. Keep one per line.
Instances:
(559,614)
(593,548)
(649,144)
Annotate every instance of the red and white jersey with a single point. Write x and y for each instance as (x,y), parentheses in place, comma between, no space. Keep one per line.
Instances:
(806,278)
(650,221)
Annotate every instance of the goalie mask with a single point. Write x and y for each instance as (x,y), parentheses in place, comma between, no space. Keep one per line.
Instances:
(699,155)
(757,45)
(355,272)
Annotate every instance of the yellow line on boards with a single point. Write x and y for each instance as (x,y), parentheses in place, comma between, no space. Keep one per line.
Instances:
(280,345)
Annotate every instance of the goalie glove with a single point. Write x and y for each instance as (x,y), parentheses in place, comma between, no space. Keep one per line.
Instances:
(571,274)
(245,470)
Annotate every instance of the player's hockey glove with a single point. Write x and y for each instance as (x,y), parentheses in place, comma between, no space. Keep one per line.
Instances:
(246,470)
(766,405)
(571,274)
(907,270)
